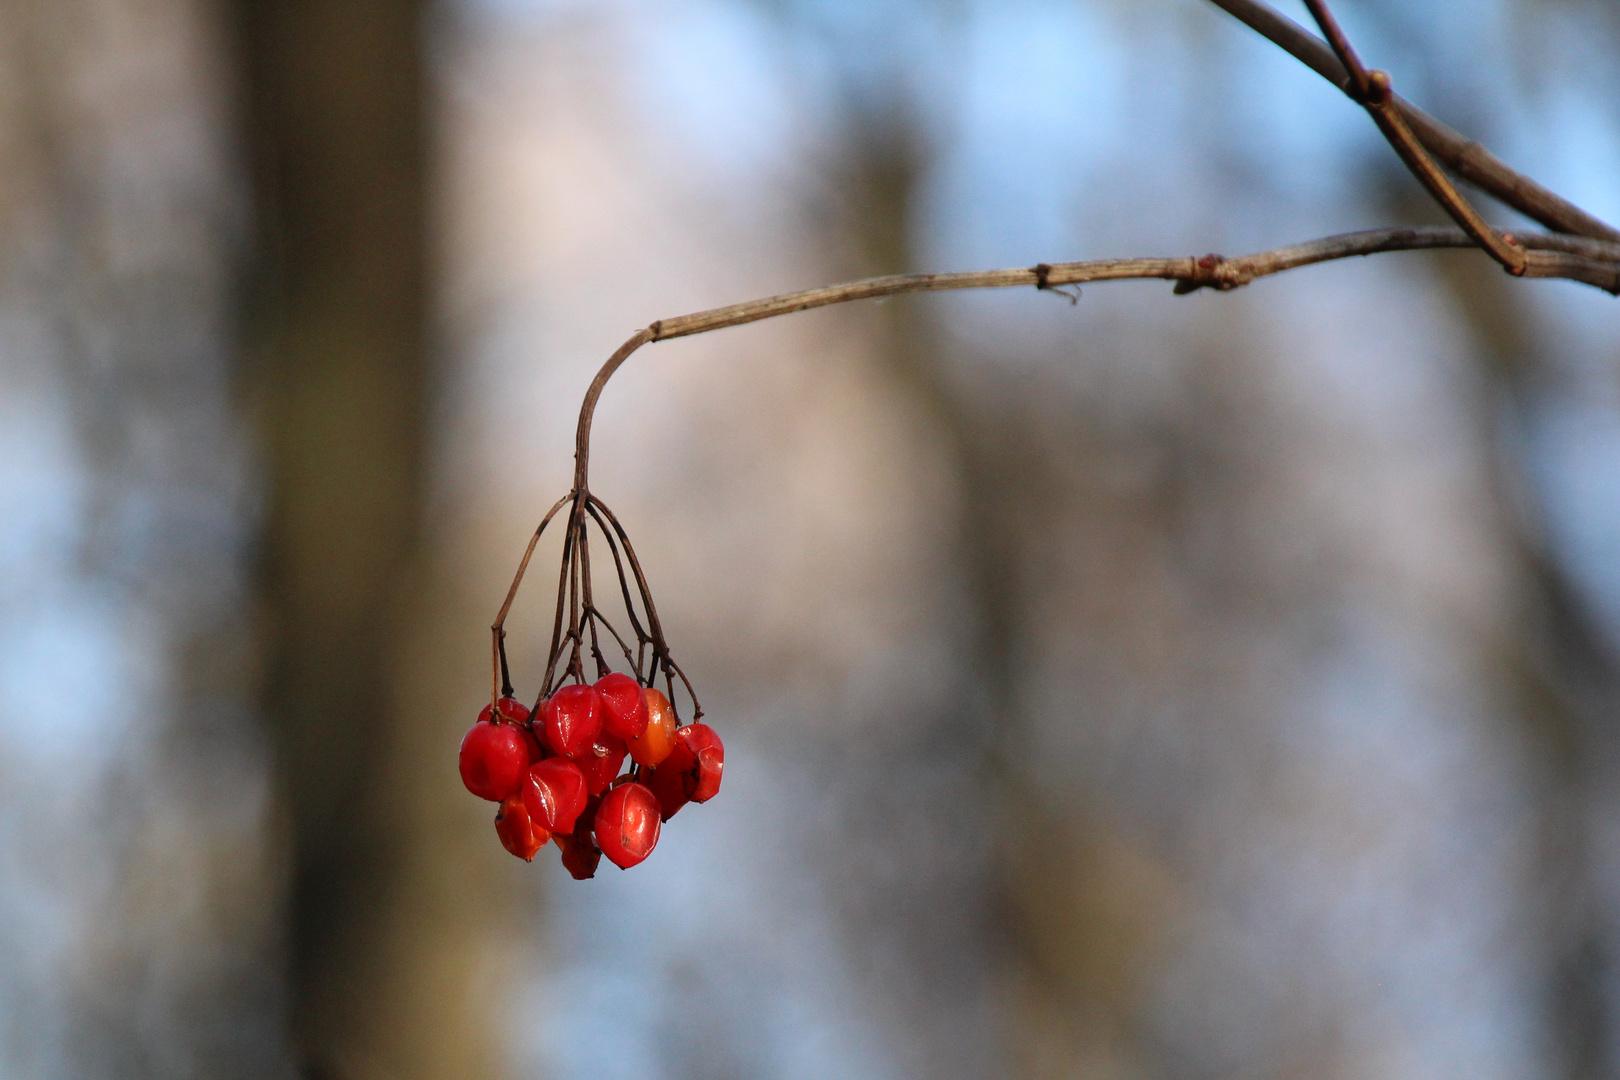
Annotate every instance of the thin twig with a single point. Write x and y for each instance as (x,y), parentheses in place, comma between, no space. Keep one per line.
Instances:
(1371,90)
(502,675)
(1463,156)
(575,668)
(506,670)
(582,436)
(556,626)
(661,652)
(569,640)
(642,636)
(654,627)
(511,593)
(1592,262)
(1355,73)
(590,601)
(597,614)
(1513,258)
(1207,271)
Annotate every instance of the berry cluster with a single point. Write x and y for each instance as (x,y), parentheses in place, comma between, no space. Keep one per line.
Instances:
(557,775)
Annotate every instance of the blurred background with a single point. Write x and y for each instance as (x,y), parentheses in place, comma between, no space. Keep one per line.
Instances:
(1209,686)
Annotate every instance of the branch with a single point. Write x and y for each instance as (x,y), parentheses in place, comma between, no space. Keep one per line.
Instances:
(1463,156)
(1189,272)
(1371,90)
(1592,262)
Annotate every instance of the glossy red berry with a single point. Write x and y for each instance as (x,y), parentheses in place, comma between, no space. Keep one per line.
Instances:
(602,763)
(627,824)
(571,720)
(691,772)
(493,760)
(655,743)
(554,793)
(711,759)
(511,710)
(518,831)
(624,709)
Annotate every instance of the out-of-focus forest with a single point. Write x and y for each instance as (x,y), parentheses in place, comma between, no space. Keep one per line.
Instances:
(1149,687)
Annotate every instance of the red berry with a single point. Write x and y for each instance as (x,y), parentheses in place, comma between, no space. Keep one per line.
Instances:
(580,851)
(572,718)
(655,743)
(493,758)
(624,710)
(672,781)
(554,793)
(711,759)
(627,824)
(537,752)
(691,772)
(511,710)
(518,831)
(517,714)
(602,763)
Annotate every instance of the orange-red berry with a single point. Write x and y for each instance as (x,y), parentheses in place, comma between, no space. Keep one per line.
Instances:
(658,738)
(518,831)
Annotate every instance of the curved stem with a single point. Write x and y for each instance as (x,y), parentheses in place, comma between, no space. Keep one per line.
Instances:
(582,436)
(1589,261)
(1593,262)
(517,579)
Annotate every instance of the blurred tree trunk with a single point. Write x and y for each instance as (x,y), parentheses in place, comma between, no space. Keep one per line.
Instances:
(333,102)
(1081,912)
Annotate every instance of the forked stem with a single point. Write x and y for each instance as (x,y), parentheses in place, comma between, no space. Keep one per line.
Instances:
(1371,90)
